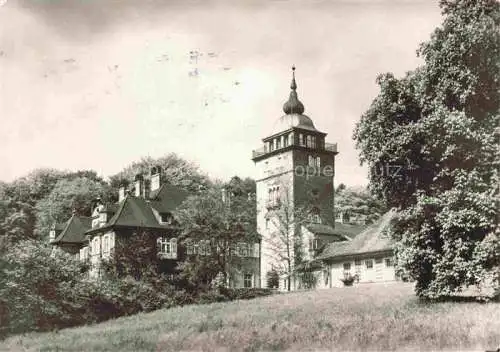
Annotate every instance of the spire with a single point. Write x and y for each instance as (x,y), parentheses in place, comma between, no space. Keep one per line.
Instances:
(293,105)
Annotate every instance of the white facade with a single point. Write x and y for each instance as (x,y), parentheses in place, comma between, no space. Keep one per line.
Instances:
(368,270)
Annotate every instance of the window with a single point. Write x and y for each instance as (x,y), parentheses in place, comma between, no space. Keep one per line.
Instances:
(285,141)
(167,248)
(318,161)
(313,244)
(267,223)
(242,250)
(105,246)
(388,262)
(96,246)
(247,280)
(369,264)
(290,139)
(278,143)
(301,140)
(308,141)
(315,216)
(378,261)
(166,218)
(357,262)
(311,161)
(102,218)
(347,266)
(313,142)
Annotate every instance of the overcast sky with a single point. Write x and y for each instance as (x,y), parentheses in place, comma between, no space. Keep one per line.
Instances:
(96,84)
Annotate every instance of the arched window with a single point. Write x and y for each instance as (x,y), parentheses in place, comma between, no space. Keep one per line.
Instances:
(315,215)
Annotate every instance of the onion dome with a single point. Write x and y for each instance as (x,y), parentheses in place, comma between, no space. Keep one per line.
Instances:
(293,105)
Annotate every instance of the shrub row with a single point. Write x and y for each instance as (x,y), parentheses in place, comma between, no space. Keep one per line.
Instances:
(40,293)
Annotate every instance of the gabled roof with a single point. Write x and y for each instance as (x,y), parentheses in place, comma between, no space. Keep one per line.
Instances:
(74,230)
(349,230)
(59,227)
(372,239)
(132,212)
(167,198)
(340,230)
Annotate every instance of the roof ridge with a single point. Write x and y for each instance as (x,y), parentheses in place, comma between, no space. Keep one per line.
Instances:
(119,211)
(61,235)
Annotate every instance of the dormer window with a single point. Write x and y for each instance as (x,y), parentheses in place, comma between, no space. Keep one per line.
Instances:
(103,218)
(166,218)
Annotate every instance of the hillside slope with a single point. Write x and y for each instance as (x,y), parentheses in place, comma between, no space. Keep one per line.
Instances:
(371,317)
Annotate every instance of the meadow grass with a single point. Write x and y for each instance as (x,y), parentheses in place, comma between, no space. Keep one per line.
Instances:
(360,318)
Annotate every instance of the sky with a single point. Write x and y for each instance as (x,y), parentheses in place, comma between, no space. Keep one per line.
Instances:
(98,84)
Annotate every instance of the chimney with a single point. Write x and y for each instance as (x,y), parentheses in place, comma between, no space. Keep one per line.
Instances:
(155,178)
(122,191)
(139,185)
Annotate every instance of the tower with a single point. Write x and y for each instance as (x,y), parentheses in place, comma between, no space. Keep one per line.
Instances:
(295,172)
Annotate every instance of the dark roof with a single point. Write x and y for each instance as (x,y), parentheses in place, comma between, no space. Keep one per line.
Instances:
(349,230)
(372,239)
(341,230)
(167,198)
(59,227)
(74,230)
(134,211)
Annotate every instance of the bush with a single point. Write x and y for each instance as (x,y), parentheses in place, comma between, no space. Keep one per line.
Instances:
(40,292)
(244,293)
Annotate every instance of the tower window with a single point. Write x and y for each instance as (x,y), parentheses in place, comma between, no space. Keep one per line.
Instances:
(278,143)
(311,161)
(308,141)
(315,215)
(313,142)
(285,141)
(301,140)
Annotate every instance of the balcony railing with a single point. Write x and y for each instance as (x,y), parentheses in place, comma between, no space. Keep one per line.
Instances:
(330,147)
(258,152)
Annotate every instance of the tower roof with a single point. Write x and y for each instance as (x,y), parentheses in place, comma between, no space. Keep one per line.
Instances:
(294,113)
(293,105)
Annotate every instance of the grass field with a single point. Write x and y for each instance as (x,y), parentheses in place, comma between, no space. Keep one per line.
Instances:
(371,317)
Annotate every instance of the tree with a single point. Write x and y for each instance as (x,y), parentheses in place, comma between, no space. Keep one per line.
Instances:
(135,255)
(357,201)
(69,195)
(207,220)
(17,222)
(284,245)
(176,170)
(430,140)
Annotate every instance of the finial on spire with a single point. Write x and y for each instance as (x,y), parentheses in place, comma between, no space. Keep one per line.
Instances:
(293,85)
(293,105)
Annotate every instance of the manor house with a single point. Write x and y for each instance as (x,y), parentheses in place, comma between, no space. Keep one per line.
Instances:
(295,218)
